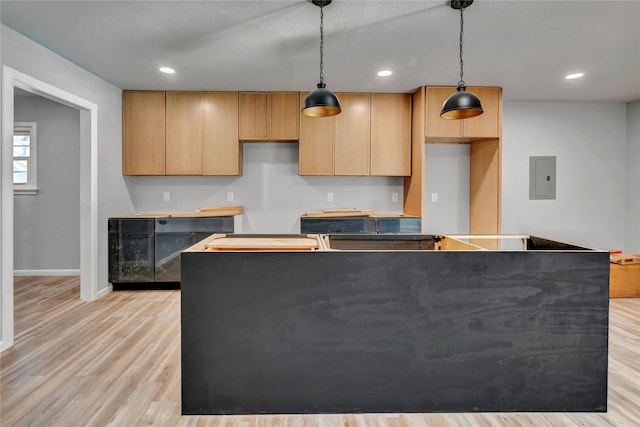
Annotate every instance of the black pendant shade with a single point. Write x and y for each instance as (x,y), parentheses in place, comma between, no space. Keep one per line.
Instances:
(321,102)
(462,104)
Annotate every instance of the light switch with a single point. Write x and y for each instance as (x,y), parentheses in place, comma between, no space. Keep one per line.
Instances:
(542,178)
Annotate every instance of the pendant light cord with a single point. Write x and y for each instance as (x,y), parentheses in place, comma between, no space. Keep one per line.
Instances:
(321,84)
(461,83)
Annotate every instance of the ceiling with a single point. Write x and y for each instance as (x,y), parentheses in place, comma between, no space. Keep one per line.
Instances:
(527,47)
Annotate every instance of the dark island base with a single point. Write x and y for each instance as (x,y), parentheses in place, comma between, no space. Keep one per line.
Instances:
(423,331)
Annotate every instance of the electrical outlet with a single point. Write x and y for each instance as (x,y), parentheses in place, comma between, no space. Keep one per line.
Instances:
(434,197)
(166,196)
(394,197)
(230,196)
(329,197)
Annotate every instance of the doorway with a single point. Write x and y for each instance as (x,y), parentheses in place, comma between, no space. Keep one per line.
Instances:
(88,190)
(46,177)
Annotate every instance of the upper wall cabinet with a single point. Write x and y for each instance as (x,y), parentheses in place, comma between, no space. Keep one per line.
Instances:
(371,136)
(201,136)
(391,134)
(352,142)
(143,136)
(487,125)
(268,116)
(221,150)
(284,111)
(316,144)
(184,115)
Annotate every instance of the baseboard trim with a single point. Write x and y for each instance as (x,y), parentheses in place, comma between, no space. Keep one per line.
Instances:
(46,272)
(104,291)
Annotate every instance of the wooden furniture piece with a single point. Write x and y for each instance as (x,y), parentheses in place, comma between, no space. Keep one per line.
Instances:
(391,324)
(624,276)
(371,136)
(181,133)
(143,133)
(483,133)
(268,116)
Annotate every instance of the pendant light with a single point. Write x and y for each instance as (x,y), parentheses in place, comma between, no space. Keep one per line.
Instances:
(321,102)
(462,104)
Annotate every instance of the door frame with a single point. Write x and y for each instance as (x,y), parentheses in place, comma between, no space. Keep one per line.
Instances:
(88,190)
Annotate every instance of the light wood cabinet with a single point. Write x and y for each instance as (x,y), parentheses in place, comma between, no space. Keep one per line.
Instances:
(435,125)
(254,110)
(390,134)
(352,142)
(489,123)
(184,115)
(371,136)
(143,136)
(316,144)
(486,125)
(181,133)
(483,133)
(221,148)
(284,111)
(268,116)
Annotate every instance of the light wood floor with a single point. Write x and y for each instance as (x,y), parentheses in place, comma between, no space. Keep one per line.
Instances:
(116,361)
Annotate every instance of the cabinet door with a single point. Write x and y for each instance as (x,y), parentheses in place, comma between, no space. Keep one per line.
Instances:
(284,113)
(352,147)
(316,144)
(435,125)
(254,109)
(143,136)
(488,124)
(391,134)
(221,148)
(184,114)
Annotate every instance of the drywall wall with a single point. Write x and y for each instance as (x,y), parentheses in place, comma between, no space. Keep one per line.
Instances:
(28,57)
(447,168)
(270,190)
(590,142)
(47,224)
(632,224)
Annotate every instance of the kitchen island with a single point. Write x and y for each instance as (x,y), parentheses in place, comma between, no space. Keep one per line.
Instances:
(409,323)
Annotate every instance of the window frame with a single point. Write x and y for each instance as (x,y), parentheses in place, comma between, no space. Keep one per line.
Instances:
(31,186)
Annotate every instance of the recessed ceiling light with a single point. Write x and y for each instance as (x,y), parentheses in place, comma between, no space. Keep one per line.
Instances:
(167,70)
(574,76)
(385,73)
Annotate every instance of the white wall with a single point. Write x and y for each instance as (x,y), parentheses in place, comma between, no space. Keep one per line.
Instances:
(47,224)
(26,56)
(590,142)
(632,229)
(447,168)
(270,190)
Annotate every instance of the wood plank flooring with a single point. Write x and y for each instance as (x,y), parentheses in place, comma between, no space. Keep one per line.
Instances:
(116,362)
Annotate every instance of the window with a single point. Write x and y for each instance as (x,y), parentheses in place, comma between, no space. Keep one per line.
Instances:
(25,176)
